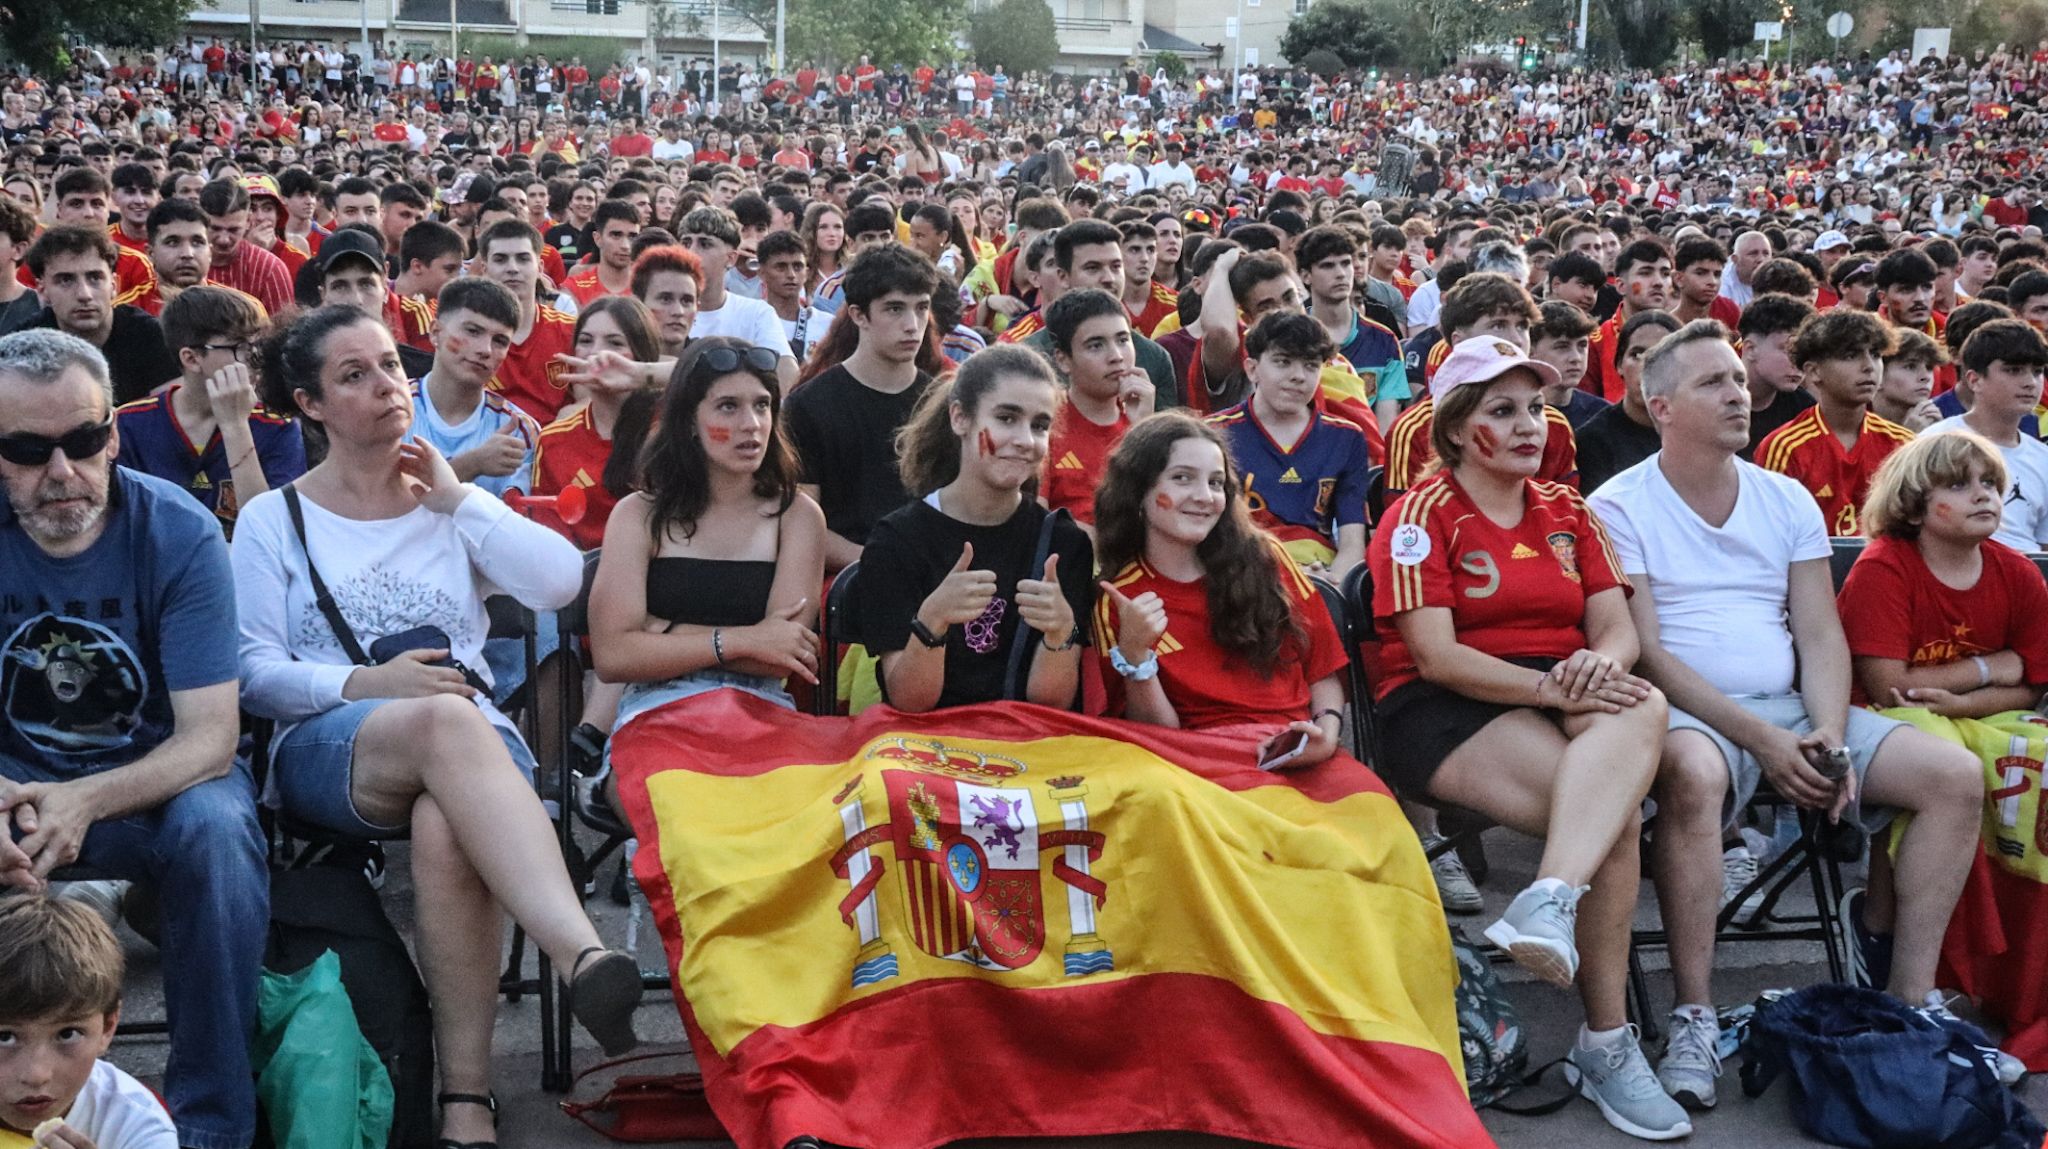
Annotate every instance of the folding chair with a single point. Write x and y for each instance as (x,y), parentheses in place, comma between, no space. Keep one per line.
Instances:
(1351,610)
(835,622)
(1375,495)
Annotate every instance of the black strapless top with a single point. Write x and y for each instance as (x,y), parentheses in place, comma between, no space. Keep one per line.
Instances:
(709,592)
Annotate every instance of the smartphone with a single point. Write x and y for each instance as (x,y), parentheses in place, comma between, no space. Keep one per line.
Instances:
(1281,753)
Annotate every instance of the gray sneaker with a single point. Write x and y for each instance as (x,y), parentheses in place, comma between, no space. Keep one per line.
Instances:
(1453,883)
(1692,1059)
(1538,931)
(1619,1081)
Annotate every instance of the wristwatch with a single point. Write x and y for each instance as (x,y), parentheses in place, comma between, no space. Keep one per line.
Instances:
(1138,672)
(923,633)
(1072,640)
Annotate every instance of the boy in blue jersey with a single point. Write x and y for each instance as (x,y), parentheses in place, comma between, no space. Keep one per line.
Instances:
(205,432)
(487,440)
(1305,471)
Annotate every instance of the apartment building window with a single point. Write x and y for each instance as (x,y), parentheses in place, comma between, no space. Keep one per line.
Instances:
(1300,7)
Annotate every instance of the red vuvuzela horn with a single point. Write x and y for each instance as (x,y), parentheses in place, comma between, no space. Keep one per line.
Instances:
(570,506)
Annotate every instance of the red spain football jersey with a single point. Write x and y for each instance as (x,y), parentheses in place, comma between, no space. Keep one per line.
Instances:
(529,374)
(1161,303)
(1515,592)
(1409,453)
(1807,450)
(571,454)
(416,321)
(1076,456)
(1893,607)
(1207,685)
(585,287)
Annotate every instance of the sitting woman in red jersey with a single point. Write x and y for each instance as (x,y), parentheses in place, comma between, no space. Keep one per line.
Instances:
(1204,621)
(1937,613)
(576,449)
(1506,687)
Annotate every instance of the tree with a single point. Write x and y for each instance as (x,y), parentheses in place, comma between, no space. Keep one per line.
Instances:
(34,32)
(1725,27)
(1358,35)
(834,32)
(1646,31)
(1323,62)
(1018,34)
(1176,69)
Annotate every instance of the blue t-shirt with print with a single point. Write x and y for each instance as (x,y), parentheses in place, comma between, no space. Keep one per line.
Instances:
(93,646)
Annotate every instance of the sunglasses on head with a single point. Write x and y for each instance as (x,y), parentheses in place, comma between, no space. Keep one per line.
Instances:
(728,359)
(25,450)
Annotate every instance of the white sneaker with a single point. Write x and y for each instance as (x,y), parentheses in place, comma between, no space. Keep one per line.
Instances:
(1539,930)
(2008,1068)
(1454,884)
(1738,869)
(1692,1058)
(1618,1080)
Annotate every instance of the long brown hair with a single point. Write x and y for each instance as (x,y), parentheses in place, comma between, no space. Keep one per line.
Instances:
(927,449)
(675,471)
(1250,615)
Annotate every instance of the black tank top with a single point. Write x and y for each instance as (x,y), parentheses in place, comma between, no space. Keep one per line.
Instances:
(709,592)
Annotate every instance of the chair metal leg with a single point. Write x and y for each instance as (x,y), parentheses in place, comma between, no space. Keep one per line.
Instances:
(512,983)
(1639,1007)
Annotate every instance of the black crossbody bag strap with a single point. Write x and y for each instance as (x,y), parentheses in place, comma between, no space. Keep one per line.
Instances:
(321,597)
(1022,644)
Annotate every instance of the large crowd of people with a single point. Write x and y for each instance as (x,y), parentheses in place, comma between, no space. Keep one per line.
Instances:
(1584,367)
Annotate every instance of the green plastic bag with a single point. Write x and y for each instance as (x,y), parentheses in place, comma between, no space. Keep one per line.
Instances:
(318,1079)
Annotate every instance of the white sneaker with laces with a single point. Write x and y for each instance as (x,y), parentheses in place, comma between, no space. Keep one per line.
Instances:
(1616,1078)
(1738,869)
(1692,1057)
(1539,930)
(1454,885)
(2009,1069)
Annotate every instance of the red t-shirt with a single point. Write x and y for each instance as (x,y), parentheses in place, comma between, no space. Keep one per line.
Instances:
(1162,302)
(1893,607)
(1409,452)
(1076,455)
(633,144)
(866,75)
(415,321)
(585,287)
(1207,685)
(1512,592)
(389,133)
(1725,311)
(528,375)
(571,454)
(1806,449)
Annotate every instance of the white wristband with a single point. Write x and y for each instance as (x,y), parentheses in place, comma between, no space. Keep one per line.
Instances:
(1983,670)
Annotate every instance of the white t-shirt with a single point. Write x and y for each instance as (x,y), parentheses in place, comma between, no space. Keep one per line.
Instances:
(115,1111)
(2024,523)
(742,318)
(1426,305)
(673,150)
(387,576)
(810,323)
(1722,593)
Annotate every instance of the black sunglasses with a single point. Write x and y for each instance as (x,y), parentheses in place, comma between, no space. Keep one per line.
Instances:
(724,360)
(24,450)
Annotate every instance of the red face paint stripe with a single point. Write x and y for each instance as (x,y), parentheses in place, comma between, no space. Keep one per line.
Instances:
(987,442)
(718,434)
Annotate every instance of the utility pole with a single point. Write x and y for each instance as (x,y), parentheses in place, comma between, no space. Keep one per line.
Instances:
(781,27)
(454,36)
(1585,7)
(254,24)
(716,55)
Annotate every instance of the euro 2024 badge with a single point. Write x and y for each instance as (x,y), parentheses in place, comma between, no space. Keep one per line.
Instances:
(970,844)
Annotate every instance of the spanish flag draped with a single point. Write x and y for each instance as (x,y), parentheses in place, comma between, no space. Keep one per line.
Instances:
(1008,921)
(1996,949)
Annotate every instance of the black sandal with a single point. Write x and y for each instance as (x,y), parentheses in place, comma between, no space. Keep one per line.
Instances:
(604,995)
(487,1100)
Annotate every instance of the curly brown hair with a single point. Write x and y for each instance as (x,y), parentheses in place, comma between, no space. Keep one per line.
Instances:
(1250,615)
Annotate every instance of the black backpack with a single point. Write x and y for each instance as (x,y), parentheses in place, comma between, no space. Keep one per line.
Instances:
(323,908)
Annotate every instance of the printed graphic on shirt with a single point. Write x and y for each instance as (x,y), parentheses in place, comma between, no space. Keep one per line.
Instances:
(376,602)
(71,686)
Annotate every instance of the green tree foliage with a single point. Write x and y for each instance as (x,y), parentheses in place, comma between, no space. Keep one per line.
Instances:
(1359,34)
(1176,69)
(35,32)
(1646,31)
(1725,27)
(834,32)
(1323,62)
(1018,34)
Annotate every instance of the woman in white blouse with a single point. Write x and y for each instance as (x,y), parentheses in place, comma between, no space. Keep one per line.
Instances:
(410,743)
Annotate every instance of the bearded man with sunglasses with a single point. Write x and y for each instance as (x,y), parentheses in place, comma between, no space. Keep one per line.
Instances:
(118,712)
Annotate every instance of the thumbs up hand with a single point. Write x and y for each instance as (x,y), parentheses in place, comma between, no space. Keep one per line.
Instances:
(1140,622)
(961,597)
(1042,604)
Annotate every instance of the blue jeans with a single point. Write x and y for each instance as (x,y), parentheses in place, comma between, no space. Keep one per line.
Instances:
(204,854)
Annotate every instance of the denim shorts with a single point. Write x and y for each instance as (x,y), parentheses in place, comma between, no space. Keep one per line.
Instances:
(313,769)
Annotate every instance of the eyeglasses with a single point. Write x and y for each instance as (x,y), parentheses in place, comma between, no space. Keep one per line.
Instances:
(241,351)
(724,360)
(25,450)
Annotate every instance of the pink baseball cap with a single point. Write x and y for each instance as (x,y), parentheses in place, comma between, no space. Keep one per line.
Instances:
(1482,359)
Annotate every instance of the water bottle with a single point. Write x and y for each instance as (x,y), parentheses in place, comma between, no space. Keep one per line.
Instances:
(636,900)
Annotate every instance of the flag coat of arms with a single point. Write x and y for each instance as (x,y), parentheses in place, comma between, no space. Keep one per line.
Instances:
(904,930)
